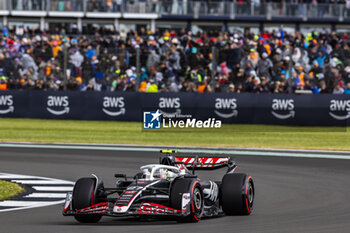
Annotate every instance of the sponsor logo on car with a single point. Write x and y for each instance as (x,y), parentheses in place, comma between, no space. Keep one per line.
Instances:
(211,193)
(153,208)
(186,198)
(6,104)
(283,108)
(340,109)
(58,105)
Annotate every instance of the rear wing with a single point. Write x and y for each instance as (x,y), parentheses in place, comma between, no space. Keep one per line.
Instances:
(198,162)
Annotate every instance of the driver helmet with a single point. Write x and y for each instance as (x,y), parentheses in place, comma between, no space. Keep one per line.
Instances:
(163,174)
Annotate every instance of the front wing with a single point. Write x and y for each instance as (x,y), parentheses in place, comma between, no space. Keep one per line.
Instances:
(137,209)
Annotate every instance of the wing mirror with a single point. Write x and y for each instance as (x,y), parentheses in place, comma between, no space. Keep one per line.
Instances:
(119,175)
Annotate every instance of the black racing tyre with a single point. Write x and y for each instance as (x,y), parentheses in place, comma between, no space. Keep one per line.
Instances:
(192,186)
(237,194)
(84,196)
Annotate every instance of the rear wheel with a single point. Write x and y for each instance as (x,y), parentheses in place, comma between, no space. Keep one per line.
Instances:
(84,196)
(191,186)
(237,194)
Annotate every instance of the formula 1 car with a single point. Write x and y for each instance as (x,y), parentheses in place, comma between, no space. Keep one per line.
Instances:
(168,189)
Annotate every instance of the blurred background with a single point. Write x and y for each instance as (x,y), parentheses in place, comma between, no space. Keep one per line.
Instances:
(176,45)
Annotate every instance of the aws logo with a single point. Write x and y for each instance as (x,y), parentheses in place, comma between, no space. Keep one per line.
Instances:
(228,105)
(58,102)
(340,106)
(115,103)
(169,103)
(283,105)
(7,102)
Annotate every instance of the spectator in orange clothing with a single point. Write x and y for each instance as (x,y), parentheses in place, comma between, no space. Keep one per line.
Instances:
(254,56)
(143,86)
(203,87)
(55,48)
(3,83)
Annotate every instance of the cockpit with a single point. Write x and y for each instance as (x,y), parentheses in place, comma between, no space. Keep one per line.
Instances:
(156,171)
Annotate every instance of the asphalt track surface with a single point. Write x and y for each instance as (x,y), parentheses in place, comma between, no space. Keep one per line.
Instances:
(292,194)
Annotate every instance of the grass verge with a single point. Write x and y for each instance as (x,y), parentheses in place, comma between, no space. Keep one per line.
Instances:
(8,190)
(256,136)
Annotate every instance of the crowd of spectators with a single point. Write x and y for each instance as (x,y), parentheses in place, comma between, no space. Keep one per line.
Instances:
(317,8)
(175,61)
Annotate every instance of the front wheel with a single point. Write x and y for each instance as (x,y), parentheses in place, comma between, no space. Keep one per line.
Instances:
(84,196)
(237,194)
(196,204)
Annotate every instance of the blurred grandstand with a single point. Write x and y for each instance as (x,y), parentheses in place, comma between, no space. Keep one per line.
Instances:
(176,45)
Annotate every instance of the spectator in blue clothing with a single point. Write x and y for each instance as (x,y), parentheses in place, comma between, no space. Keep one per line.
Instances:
(90,52)
(320,59)
(347,88)
(143,74)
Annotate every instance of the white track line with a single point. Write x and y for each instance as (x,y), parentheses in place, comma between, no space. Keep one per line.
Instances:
(42,182)
(41,204)
(39,184)
(249,152)
(19,177)
(14,176)
(10,144)
(47,195)
(52,188)
(23,203)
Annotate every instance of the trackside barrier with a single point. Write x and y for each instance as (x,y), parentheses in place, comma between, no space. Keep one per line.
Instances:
(279,109)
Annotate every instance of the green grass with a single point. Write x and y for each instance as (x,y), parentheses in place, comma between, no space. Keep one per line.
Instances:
(8,190)
(257,136)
